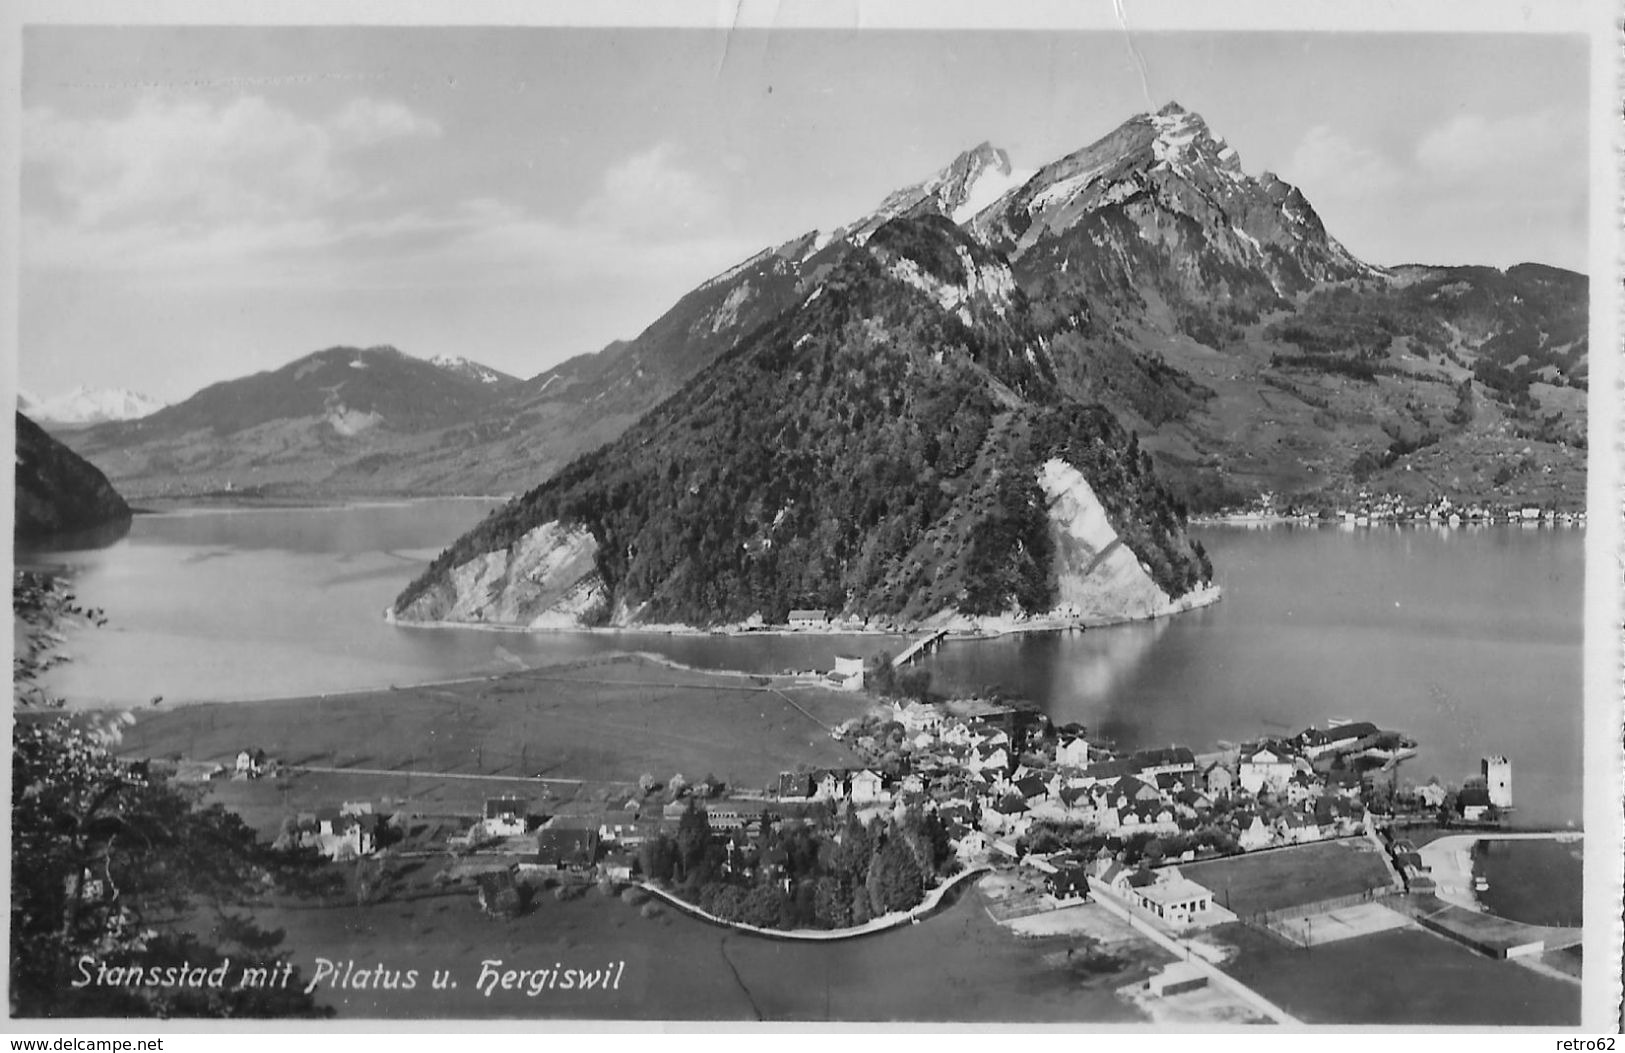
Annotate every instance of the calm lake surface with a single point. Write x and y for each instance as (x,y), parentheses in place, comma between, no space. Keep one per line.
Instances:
(1469,640)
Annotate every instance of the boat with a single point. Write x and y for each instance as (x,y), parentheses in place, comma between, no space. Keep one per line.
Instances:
(1481,884)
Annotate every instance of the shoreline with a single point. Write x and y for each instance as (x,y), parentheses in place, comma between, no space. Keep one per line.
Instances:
(603,658)
(958,626)
(926,909)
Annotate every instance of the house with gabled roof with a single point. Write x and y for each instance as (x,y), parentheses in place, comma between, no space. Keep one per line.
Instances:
(868,786)
(1263,768)
(1251,830)
(1072,753)
(1189,802)
(1168,759)
(1130,790)
(991,758)
(1109,770)
(1294,827)
(1068,882)
(252,763)
(829,785)
(1032,789)
(1217,779)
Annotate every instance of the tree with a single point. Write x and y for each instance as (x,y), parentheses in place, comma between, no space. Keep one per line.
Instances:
(879,676)
(118,865)
(831,908)
(915,682)
(657,858)
(42,605)
(693,842)
(895,881)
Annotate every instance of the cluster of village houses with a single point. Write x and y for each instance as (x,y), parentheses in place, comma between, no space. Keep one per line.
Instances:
(1396,508)
(989,777)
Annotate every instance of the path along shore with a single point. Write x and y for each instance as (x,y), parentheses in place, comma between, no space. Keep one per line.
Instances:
(887,921)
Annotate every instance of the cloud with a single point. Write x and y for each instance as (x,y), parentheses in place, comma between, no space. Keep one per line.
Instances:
(1329,164)
(367,121)
(1438,188)
(173,177)
(651,195)
(1471,148)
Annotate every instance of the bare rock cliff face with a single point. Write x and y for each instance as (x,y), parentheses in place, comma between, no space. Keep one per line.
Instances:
(1098,577)
(547,580)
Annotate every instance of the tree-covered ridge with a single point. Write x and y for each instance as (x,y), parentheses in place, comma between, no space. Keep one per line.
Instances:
(57,491)
(869,451)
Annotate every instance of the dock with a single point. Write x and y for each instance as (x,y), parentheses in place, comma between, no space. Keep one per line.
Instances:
(924,645)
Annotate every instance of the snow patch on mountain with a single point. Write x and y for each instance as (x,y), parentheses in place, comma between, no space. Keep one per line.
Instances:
(989,185)
(994,283)
(465,367)
(85,405)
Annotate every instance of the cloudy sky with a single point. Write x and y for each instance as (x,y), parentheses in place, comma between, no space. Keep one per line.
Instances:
(198,204)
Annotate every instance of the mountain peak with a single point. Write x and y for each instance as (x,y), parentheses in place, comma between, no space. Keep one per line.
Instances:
(969,183)
(85,405)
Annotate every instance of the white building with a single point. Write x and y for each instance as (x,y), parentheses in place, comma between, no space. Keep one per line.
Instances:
(1498,780)
(1073,753)
(1263,768)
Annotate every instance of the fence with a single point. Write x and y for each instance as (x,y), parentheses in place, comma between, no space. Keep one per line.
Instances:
(1275,921)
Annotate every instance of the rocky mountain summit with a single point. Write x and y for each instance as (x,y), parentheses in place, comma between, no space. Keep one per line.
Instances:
(1208,309)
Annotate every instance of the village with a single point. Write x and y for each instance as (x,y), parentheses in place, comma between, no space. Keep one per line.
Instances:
(1009,790)
(1141,869)
(1370,507)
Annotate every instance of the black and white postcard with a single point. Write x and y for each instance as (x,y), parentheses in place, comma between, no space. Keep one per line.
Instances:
(815,514)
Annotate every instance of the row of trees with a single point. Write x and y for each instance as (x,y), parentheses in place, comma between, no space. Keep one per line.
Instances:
(797,875)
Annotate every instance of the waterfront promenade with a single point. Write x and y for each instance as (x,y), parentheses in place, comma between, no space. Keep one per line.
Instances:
(927,906)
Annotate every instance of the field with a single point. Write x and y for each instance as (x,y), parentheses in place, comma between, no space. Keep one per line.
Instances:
(1401,977)
(1291,877)
(606,721)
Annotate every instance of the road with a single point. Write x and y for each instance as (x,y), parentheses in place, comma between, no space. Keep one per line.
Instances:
(428,774)
(1180,949)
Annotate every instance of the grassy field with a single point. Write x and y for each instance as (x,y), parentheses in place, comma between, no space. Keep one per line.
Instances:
(1291,877)
(1403,977)
(606,721)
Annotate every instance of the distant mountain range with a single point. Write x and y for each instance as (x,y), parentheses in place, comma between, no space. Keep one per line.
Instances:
(1209,310)
(88,406)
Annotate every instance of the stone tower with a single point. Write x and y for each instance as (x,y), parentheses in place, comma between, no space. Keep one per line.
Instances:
(1498,780)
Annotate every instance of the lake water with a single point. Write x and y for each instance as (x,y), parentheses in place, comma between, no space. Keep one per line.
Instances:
(1469,640)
